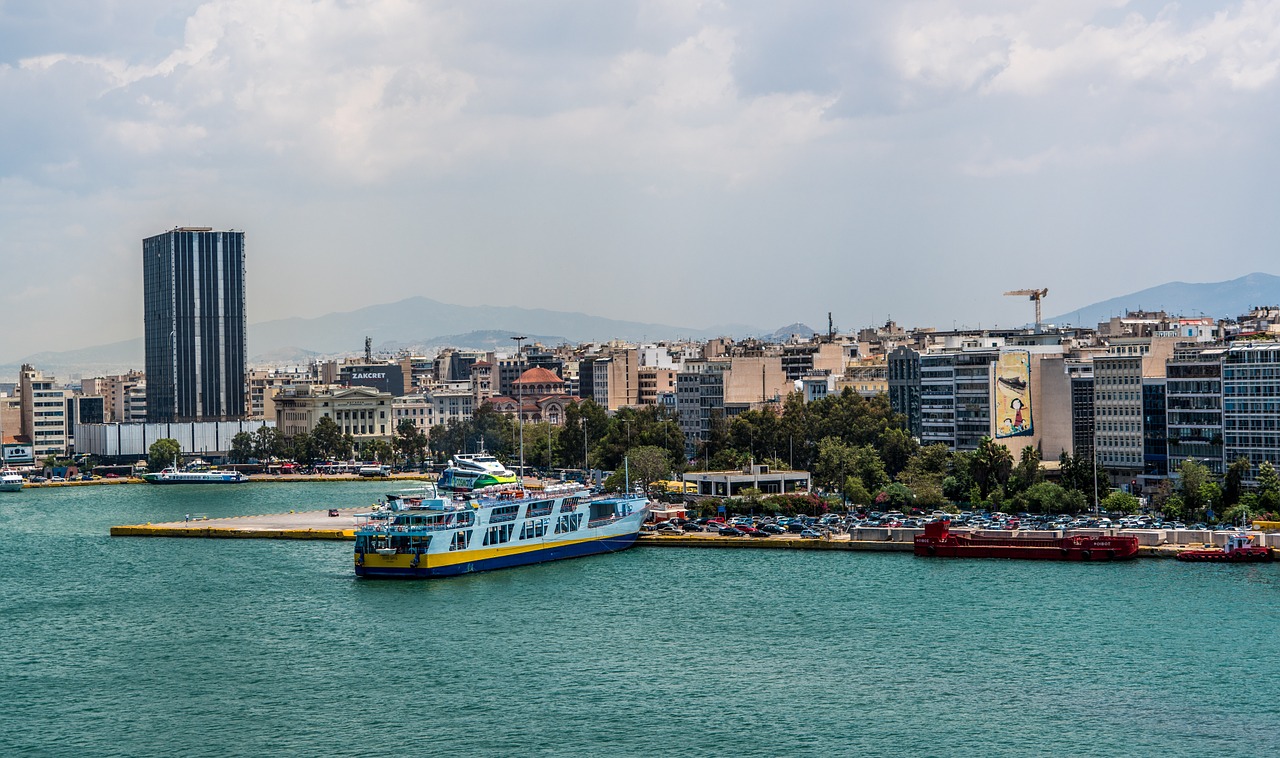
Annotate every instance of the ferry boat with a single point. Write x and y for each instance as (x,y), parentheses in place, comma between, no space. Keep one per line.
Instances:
(11,481)
(174,475)
(1239,549)
(472,471)
(500,527)
(938,540)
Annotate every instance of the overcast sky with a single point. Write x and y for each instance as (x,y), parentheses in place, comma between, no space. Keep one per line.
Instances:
(692,163)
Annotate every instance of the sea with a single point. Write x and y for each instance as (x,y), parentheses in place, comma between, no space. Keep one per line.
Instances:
(125,646)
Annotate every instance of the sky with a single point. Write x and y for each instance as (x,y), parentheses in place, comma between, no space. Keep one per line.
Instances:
(688,162)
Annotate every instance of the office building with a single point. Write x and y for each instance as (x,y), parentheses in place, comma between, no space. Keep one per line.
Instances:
(194,318)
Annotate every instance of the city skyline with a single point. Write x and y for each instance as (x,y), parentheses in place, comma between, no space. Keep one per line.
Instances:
(565,150)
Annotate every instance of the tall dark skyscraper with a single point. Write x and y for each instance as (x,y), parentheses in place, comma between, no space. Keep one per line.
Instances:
(193,285)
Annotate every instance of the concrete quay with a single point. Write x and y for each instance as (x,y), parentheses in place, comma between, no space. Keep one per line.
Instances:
(295,525)
(253,478)
(319,525)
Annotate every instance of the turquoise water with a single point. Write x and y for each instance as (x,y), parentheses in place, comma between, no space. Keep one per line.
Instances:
(139,647)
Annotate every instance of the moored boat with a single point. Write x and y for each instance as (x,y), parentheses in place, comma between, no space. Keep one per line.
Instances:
(174,475)
(1238,549)
(501,527)
(473,471)
(938,540)
(11,481)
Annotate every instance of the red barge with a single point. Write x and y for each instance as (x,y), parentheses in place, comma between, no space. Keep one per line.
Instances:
(938,540)
(1239,549)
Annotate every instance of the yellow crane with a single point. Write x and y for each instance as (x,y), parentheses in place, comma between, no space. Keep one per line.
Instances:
(1035,295)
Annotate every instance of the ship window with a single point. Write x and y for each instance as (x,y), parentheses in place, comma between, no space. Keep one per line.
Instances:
(499,534)
(460,540)
(505,513)
(534,529)
(569,523)
(540,508)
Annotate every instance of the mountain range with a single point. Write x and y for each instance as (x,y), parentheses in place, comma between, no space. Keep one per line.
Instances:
(423,325)
(1217,299)
(415,324)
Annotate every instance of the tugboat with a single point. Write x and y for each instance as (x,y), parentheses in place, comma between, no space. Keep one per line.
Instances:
(1239,549)
(937,540)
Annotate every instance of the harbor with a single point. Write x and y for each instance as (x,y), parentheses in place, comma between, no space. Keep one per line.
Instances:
(284,621)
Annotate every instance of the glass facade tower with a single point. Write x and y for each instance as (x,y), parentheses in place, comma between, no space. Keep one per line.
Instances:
(193,313)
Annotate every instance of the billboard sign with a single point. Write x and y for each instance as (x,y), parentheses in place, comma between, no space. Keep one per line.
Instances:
(1012,411)
(17,454)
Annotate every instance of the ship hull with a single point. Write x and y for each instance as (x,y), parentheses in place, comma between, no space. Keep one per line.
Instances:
(373,565)
(1024,552)
(1248,555)
(938,541)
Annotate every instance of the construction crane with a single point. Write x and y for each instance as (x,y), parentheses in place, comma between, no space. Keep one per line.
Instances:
(1035,295)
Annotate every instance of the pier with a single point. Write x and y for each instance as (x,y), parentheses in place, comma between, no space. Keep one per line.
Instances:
(319,525)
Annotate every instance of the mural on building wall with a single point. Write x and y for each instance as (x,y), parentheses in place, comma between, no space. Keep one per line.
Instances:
(1013,395)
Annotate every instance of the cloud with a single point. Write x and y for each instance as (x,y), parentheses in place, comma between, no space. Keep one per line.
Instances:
(708,141)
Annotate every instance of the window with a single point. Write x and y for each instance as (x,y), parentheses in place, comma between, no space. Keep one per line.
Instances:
(499,534)
(460,540)
(569,523)
(534,529)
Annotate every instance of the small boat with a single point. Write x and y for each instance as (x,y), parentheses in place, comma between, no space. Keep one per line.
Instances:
(495,527)
(1239,549)
(173,475)
(938,540)
(11,481)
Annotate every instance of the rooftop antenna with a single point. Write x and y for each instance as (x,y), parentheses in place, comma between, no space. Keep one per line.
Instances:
(368,349)
(831,328)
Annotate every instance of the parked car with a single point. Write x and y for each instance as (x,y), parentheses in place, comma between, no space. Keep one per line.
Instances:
(809,534)
(773,529)
(691,527)
(731,531)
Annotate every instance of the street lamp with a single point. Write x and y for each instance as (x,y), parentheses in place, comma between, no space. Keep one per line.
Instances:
(520,404)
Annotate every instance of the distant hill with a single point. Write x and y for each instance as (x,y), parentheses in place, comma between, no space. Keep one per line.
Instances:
(417,323)
(786,332)
(1217,299)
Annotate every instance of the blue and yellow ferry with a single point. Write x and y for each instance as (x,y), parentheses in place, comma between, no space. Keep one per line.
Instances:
(429,535)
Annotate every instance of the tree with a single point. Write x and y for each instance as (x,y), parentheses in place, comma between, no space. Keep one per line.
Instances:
(926,474)
(1027,472)
(268,443)
(328,439)
(897,496)
(585,424)
(1047,497)
(378,450)
(241,448)
(303,449)
(410,442)
(1120,502)
(648,463)
(1268,487)
(990,466)
(897,448)
(1233,483)
(164,453)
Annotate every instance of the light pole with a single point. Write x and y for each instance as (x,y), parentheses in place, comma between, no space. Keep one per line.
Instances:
(520,405)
